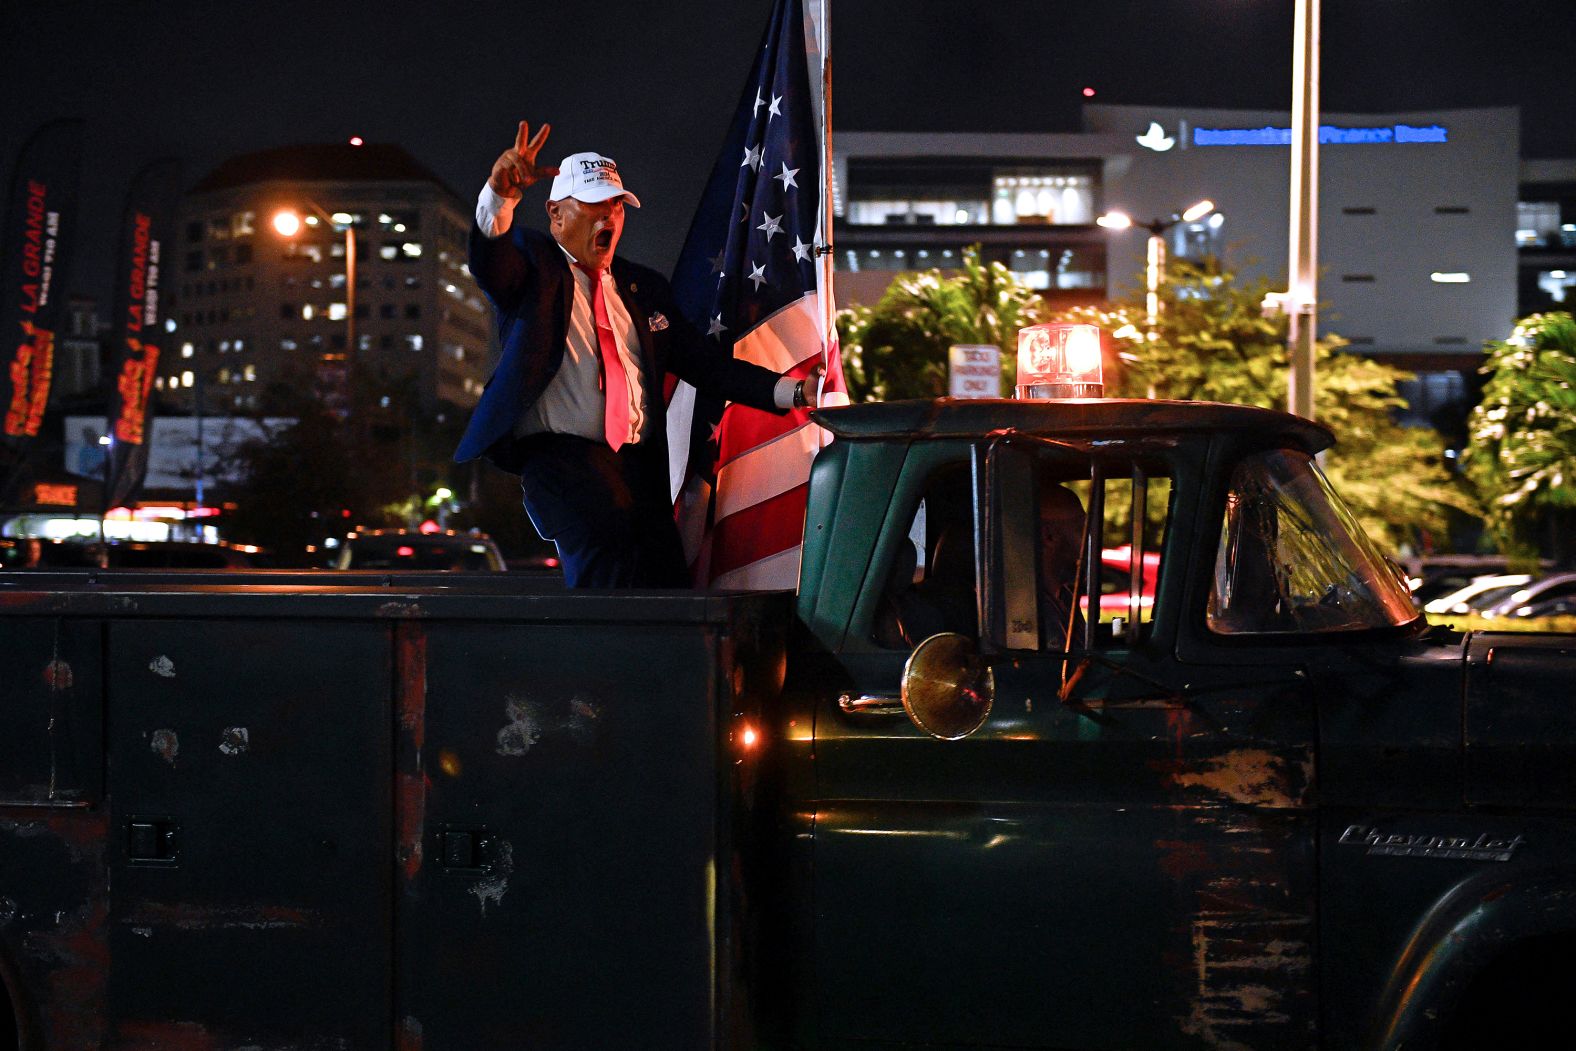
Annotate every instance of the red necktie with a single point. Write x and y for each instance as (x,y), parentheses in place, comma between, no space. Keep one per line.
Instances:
(610,373)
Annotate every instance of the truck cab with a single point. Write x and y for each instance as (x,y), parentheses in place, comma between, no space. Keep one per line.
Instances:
(1239,811)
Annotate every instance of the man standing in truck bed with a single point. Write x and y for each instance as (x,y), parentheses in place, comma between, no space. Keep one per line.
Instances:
(575,406)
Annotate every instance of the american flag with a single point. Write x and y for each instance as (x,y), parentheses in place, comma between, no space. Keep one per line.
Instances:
(749,278)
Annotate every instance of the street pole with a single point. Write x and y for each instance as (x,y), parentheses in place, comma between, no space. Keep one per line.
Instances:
(1155,253)
(350,299)
(1155,266)
(1302,265)
(333,369)
(197,407)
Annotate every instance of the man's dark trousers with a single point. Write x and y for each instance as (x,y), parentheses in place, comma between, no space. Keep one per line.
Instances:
(608,513)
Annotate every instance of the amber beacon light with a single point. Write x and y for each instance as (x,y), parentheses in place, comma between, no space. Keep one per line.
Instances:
(1060,361)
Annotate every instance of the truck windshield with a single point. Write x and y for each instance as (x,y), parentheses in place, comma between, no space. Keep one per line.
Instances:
(1293,558)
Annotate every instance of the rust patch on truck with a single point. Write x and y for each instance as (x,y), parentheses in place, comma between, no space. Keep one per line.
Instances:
(1252,776)
(167,1036)
(523,729)
(166,745)
(1243,969)
(58,675)
(189,917)
(72,947)
(73,1015)
(411,782)
(1239,948)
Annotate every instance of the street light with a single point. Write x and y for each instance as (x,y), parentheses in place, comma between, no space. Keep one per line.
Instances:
(333,369)
(1156,255)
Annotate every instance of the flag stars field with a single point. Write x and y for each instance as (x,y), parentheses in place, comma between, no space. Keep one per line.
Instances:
(739,472)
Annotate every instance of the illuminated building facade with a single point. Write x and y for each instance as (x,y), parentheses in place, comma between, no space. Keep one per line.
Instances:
(1417,221)
(911,201)
(256,308)
(1546,236)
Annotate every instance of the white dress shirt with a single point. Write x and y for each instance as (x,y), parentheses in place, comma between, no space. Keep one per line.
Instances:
(573,402)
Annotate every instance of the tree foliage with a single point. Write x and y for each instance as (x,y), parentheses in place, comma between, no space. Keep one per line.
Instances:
(297,483)
(1213,343)
(898,347)
(1522,455)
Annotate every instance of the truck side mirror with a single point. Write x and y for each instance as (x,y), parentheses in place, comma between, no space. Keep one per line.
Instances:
(948,689)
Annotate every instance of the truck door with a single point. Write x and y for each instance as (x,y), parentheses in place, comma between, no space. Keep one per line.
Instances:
(249,774)
(1121,856)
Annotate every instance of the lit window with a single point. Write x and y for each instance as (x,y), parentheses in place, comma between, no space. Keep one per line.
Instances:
(388,252)
(411,249)
(307,312)
(1449,278)
(243,223)
(251,374)
(1536,223)
(336,312)
(187,350)
(287,344)
(187,379)
(413,341)
(224,375)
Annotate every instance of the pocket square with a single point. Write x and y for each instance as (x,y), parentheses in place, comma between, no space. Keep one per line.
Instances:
(657,322)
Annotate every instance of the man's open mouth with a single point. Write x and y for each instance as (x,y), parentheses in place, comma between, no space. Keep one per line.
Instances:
(603,240)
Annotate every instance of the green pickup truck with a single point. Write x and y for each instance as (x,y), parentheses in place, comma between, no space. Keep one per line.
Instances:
(1092,724)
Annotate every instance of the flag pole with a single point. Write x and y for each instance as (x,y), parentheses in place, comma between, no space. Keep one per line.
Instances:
(829,182)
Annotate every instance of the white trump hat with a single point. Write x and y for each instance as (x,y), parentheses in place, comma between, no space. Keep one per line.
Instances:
(589,177)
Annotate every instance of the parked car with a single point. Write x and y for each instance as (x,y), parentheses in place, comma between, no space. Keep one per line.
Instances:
(1436,576)
(1536,599)
(410,549)
(163,554)
(1115,566)
(1564,606)
(184,554)
(1483,591)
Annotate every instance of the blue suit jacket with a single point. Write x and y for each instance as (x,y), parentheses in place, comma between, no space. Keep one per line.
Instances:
(526,276)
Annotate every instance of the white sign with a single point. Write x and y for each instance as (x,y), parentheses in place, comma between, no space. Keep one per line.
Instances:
(974,370)
(173,454)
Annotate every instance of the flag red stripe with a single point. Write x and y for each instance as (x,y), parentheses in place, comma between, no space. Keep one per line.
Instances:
(743,428)
(760,530)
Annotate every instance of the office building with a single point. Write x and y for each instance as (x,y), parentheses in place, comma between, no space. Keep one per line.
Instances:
(1546,236)
(257,306)
(1417,216)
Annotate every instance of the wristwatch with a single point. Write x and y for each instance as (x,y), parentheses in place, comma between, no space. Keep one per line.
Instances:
(799,401)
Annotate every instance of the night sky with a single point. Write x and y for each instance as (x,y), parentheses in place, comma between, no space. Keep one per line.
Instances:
(653,84)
